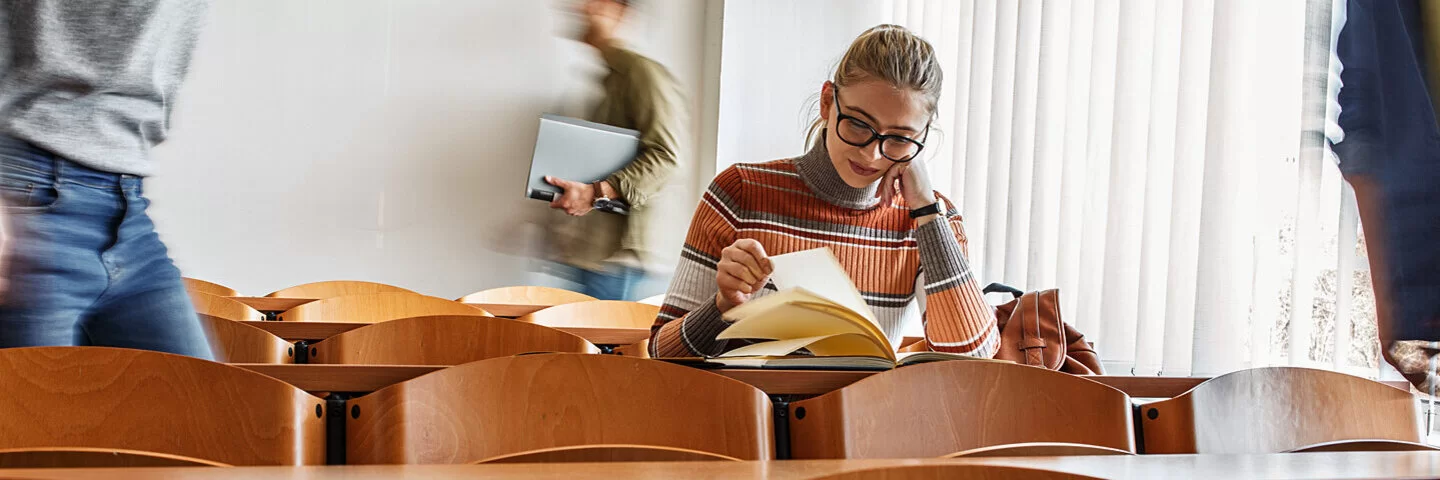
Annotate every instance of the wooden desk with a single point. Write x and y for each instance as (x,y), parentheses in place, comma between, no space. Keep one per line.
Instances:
(368,378)
(271,304)
(510,310)
(1348,465)
(313,331)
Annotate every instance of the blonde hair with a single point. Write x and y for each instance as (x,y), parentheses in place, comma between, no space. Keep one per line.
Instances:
(892,54)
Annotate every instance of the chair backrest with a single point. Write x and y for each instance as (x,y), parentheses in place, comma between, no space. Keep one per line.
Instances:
(954,471)
(443,340)
(198,285)
(336,288)
(208,305)
(376,308)
(1275,409)
(136,400)
(609,453)
(597,313)
(939,408)
(504,406)
(49,457)
(525,296)
(235,342)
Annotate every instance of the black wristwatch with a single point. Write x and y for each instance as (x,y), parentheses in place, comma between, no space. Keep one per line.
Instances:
(931,209)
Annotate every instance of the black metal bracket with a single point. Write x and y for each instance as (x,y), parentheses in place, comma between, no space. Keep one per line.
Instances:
(1139,412)
(782,427)
(335,428)
(302,352)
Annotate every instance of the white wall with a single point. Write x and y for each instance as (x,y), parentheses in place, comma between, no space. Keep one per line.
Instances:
(776,55)
(385,140)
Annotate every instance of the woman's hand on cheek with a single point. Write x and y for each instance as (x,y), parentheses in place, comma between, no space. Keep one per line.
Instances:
(914,184)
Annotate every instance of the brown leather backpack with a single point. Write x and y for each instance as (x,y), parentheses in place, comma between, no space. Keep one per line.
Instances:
(1032,333)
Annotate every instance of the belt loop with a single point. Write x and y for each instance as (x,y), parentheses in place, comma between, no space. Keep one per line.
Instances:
(58,170)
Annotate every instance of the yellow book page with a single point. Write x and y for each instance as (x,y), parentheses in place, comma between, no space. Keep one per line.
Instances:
(820,273)
(840,345)
(871,329)
(783,319)
(760,305)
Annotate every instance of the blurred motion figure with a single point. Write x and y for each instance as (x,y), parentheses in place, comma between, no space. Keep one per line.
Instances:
(606,253)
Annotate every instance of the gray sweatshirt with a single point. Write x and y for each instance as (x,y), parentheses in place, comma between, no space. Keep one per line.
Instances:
(94,80)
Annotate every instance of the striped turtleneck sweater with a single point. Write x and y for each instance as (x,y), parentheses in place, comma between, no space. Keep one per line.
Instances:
(905,273)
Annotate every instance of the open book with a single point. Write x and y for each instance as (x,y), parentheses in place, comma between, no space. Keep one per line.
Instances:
(818,309)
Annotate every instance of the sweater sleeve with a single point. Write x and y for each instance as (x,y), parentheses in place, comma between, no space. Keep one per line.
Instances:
(956,317)
(689,320)
(656,114)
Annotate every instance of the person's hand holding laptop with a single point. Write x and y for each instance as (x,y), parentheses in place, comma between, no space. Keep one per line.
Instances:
(572,159)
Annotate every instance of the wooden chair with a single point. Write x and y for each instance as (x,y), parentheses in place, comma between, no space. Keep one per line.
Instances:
(940,408)
(208,305)
(609,453)
(505,406)
(1039,449)
(525,296)
(956,471)
(376,308)
(336,288)
(1277,409)
(235,342)
(198,285)
(443,340)
(84,399)
(93,458)
(597,313)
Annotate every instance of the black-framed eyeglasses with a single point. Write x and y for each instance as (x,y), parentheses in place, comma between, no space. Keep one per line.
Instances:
(854,131)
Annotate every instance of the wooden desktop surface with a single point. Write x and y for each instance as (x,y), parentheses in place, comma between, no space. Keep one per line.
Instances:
(315,331)
(368,378)
(276,304)
(1347,465)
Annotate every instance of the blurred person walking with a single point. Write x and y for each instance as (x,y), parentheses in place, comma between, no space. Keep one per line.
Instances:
(86,89)
(607,253)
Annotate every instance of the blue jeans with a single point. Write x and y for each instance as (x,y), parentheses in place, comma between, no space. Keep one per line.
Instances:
(85,266)
(615,283)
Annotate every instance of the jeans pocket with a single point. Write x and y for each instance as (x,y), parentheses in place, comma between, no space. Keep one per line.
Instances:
(24,189)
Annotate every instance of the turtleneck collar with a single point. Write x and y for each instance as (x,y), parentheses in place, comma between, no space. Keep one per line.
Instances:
(818,172)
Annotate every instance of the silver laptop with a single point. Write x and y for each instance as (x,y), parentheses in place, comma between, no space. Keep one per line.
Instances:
(580,151)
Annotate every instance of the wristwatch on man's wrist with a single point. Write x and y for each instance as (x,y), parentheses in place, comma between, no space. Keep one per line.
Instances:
(606,204)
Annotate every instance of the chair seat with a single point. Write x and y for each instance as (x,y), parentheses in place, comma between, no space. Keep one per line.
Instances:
(84,457)
(946,472)
(1039,449)
(609,453)
(1365,445)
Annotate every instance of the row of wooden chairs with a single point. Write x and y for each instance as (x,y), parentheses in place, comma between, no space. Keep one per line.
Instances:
(438,332)
(65,404)
(445,332)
